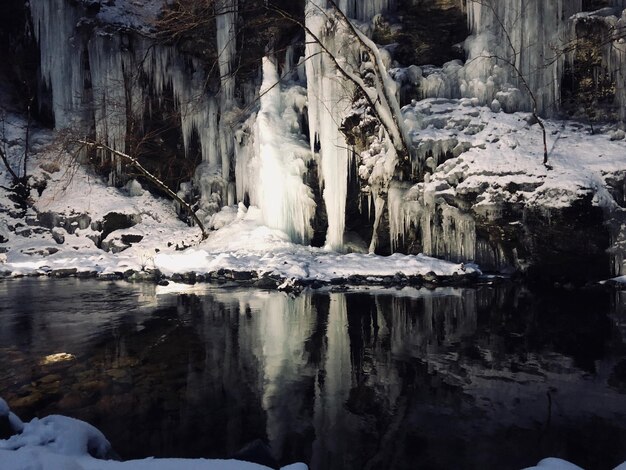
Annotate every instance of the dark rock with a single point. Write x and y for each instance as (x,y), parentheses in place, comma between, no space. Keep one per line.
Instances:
(258,452)
(111,276)
(115,221)
(129,238)
(58,235)
(266,283)
(243,275)
(49,219)
(6,430)
(86,274)
(63,272)
(189,278)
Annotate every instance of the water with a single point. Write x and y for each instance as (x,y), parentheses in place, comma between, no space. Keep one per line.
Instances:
(492,377)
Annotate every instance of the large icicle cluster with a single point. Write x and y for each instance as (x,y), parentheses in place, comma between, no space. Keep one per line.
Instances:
(609,26)
(514,44)
(115,64)
(226,20)
(365,10)
(61,53)
(330,98)
(272,161)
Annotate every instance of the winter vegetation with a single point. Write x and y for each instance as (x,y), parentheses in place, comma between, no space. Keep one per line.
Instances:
(298,144)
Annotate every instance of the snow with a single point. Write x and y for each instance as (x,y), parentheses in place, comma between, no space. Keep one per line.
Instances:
(247,245)
(497,157)
(552,463)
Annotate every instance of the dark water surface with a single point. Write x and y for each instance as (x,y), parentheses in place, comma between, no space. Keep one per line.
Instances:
(483,378)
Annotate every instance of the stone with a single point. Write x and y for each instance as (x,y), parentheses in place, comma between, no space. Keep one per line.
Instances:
(58,234)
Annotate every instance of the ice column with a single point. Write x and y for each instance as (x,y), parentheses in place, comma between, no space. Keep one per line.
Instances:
(329,101)
(365,10)
(286,202)
(108,90)
(617,63)
(61,57)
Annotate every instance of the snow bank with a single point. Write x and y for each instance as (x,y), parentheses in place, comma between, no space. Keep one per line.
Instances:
(552,463)
(247,245)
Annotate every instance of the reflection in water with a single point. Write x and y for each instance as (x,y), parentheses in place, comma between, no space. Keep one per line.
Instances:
(450,378)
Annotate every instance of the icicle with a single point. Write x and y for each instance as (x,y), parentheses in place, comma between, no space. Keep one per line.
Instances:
(329,101)
(108,90)
(509,36)
(61,57)
(226,22)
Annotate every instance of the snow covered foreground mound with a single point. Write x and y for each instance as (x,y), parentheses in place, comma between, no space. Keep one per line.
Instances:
(61,443)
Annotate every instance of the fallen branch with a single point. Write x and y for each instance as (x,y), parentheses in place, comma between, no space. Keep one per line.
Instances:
(150,177)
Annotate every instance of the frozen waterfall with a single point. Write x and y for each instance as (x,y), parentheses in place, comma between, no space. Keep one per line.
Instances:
(512,43)
(61,51)
(285,201)
(329,101)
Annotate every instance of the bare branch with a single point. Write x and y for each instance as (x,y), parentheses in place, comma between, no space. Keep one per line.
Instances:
(149,176)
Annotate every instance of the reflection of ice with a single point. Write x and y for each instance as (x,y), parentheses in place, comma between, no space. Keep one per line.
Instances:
(331,390)
(332,378)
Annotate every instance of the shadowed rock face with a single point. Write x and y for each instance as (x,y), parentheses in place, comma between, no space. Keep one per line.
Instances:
(431,31)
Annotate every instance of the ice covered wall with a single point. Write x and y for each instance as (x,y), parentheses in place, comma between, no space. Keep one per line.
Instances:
(529,35)
(365,10)
(446,232)
(110,103)
(226,23)
(616,62)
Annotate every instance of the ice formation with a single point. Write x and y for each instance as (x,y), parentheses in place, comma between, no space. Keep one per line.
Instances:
(226,22)
(613,46)
(330,98)
(61,51)
(365,10)
(515,46)
(284,199)
(116,64)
